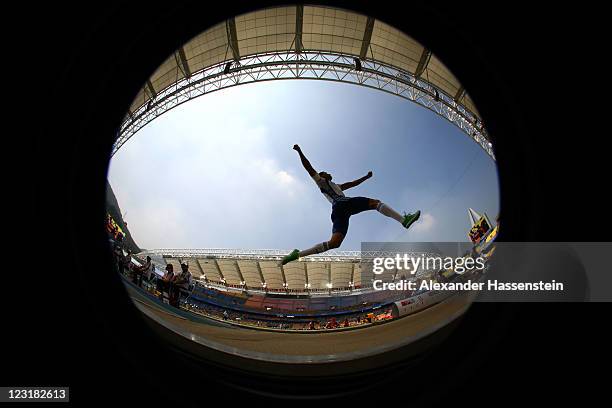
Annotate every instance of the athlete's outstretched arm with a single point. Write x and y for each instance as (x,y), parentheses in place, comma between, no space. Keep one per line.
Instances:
(357,182)
(305,161)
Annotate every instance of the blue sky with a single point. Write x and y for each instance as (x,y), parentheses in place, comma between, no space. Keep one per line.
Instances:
(220,171)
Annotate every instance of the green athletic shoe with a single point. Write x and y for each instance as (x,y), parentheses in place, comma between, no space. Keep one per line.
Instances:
(409,219)
(295,254)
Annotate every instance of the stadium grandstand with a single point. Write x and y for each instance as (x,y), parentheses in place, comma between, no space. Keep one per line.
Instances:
(272,321)
(258,271)
(250,286)
(331,293)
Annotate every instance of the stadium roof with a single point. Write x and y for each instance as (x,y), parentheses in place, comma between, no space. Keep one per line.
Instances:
(310,42)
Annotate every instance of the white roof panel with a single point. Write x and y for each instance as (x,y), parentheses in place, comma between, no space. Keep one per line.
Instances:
(323,29)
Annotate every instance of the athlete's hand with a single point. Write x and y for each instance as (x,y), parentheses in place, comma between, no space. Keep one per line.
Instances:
(369,174)
(296,148)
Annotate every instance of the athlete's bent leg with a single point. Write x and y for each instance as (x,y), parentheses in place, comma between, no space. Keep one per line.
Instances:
(334,242)
(385,210)
(406,220)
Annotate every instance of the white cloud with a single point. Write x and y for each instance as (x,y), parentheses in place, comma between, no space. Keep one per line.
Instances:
(284,177)
(425,223)
(272,178)
(159,223)
(205,183)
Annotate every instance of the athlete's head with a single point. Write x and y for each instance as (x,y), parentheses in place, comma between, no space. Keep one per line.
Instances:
(325,175)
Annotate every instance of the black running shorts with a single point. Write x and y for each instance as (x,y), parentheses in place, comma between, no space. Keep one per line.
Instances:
(343,209)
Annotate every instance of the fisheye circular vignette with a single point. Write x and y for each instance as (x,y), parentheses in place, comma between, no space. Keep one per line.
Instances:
(311,307)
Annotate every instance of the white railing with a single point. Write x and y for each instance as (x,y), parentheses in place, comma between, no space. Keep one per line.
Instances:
(315,65)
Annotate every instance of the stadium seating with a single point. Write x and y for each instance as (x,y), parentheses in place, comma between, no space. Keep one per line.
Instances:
(341,274)
(318,275)
(210,269)
(176,265)
(250,273)
(364,276)
(194,268)
(272,274)
(229,270)
(312,289)
(295,274)
(308,277)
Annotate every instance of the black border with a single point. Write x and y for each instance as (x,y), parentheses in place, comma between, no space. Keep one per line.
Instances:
(89,62)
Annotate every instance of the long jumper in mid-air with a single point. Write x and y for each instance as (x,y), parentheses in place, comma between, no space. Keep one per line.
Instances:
(342,209)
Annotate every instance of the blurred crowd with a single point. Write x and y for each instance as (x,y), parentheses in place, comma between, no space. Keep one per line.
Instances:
(285,322)
(170,286)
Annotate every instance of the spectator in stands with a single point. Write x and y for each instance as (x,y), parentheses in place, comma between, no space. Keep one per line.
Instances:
(225,315)
(332,324)
(109,224)
(182,283)
(137,273)
(145,271)
(346,322)
(126,261)
(119,239)
(118,257)
(163,284)
(169,274)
